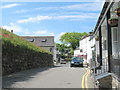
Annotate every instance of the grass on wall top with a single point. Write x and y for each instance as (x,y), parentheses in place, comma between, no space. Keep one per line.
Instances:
(8,37)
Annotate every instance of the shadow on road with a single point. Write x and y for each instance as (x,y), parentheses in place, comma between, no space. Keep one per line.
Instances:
(8,80)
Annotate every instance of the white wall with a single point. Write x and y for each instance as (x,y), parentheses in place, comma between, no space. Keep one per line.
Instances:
(86,47)
(76,52)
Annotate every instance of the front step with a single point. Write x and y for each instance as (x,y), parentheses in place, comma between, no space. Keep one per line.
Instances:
(103,80)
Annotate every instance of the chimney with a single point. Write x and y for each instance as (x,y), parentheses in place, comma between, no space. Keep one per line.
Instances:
(11,31)
(90,33)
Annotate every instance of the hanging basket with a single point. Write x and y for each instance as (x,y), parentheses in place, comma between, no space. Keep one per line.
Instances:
(117,11)
(113,22)
(97,38)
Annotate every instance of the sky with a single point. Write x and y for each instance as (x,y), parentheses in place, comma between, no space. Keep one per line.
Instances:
(49,18)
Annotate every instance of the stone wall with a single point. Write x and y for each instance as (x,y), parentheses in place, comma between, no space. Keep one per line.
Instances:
(105,82)
(115,83)
(16,58)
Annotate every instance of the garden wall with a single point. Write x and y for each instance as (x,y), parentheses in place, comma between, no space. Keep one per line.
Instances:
(17,58)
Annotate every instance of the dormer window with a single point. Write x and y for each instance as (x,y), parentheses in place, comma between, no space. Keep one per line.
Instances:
(44,40)
(30,39)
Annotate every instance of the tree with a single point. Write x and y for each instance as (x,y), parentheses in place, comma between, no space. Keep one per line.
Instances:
(72,39)
(62,48)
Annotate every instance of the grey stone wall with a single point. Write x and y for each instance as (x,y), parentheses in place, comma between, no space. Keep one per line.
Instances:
(115,83)
(16,58)
(105,82)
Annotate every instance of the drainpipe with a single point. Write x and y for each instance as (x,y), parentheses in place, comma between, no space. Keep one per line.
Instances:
(109,42)
(100,45)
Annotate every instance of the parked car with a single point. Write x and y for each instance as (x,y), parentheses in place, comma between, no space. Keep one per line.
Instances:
(54,62)
(62,61)
(76,62)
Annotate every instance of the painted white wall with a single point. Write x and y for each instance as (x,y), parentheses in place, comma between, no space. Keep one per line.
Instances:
(76,52)
(86,47)
(54,53)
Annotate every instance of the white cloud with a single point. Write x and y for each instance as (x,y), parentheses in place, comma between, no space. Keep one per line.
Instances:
(95,6)
(13,27)
(43,32)
(21,11)
(82,15)
(41,18)
(17,29)
(59,35)
(9,5)
(91,6)
(34,19)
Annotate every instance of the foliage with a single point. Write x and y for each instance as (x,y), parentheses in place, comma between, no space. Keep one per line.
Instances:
(72,38)
(17,41)
(62,47)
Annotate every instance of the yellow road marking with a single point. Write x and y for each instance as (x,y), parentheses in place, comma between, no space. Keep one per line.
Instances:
(85,79)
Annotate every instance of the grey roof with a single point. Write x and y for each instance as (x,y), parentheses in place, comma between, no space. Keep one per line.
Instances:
(101,14)
(43,41)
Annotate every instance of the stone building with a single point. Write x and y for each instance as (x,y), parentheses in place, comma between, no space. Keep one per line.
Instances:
(106,68)
(46,42)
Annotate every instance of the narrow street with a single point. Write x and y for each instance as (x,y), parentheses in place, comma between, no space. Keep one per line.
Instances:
(60,76)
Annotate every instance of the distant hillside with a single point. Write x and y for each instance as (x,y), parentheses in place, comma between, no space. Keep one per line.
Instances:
(18,54)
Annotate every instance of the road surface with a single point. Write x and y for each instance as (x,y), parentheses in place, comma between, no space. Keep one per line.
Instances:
(60,76)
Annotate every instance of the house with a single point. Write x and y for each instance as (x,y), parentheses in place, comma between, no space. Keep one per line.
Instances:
(84,50)
(46,42)
(77,52)
(106,48)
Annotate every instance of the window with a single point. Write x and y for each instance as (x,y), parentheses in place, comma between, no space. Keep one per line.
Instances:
(81,50)
(30,39)
(44,40)
(50,49)
(115,43)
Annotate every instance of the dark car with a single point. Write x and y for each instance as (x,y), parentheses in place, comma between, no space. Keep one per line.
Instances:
(76,62)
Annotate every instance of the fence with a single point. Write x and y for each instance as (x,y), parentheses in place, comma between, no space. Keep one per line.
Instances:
(97,69)
(114,66)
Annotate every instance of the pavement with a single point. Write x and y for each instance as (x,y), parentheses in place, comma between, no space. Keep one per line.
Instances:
(60,76)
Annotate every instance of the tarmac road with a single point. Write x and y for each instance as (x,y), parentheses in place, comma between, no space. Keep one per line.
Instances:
(60,76)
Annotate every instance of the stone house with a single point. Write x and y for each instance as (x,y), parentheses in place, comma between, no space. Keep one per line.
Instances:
(46,42)
(106,66)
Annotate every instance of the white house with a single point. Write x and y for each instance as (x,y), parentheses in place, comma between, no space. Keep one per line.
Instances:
(77,52)
(85,49)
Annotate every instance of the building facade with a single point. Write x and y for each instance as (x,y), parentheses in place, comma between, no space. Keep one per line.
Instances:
(107,46)
(46,42)
(84,49)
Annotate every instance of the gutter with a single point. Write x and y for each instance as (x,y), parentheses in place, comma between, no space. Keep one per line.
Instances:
(104,11)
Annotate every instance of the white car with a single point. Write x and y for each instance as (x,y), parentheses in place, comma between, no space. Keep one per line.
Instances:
(62,61)
(54,62)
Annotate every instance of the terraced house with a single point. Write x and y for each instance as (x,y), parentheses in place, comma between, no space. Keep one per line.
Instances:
(106,55)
